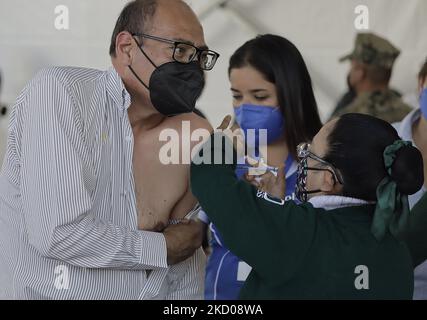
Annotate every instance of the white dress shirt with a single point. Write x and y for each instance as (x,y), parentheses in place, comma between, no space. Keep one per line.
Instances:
(68,218)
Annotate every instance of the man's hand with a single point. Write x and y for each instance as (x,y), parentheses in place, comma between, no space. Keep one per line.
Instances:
(182,240)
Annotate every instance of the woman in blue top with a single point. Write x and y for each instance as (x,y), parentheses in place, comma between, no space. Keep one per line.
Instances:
(271,90)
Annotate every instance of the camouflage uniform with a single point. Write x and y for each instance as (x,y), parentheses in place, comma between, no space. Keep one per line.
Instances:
(371,49)
(386,105)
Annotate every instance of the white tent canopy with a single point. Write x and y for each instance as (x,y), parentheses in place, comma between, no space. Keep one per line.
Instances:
(322,30)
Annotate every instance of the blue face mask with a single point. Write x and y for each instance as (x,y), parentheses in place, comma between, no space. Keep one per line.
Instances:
(423,103)
(250,116)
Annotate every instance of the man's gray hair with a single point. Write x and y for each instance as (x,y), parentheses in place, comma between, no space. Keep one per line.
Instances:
(133,19)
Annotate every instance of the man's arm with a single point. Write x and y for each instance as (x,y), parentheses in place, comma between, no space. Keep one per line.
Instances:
(57,190)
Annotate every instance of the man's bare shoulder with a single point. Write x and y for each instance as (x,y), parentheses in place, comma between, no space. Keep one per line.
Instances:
(182,121)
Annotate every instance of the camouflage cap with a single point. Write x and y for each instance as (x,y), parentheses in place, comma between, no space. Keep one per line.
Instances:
(373,50)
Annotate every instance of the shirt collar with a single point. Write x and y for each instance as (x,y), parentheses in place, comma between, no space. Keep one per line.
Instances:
(405,127)
(336,202)
(117,91)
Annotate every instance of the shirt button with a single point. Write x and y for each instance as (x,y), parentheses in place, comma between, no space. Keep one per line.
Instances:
(128,139)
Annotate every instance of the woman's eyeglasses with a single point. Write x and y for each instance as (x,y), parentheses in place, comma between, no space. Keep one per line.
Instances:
(303,152)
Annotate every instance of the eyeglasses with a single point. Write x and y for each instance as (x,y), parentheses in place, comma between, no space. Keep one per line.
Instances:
(186,53)
(303,152)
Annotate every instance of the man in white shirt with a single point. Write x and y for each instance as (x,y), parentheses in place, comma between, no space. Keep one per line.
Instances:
(72,177)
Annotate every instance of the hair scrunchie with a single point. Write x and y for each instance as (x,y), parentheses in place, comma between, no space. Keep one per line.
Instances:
(392,210)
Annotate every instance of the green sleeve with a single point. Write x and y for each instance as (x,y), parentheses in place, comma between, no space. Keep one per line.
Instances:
(416,238)
(272,236)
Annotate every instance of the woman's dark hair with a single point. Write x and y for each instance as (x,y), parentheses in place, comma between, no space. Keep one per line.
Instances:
(356,147)
(280,62)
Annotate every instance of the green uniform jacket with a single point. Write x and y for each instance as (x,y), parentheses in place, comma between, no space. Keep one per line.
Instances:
(297,251)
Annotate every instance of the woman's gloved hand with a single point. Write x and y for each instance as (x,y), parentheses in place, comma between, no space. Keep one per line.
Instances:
(270,182)
(234,133)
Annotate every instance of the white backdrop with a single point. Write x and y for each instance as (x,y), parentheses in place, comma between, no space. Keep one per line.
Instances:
(323,30)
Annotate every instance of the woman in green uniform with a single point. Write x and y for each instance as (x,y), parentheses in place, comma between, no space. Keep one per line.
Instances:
(342,241)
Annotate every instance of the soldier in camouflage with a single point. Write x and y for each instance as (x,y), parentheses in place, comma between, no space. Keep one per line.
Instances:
(371,68)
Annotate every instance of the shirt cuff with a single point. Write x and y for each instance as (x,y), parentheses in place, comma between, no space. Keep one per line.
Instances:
(153,250)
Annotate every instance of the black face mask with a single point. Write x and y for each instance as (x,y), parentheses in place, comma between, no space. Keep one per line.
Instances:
(174,87)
